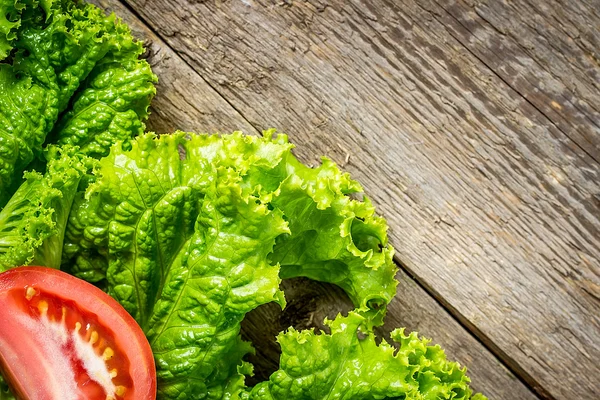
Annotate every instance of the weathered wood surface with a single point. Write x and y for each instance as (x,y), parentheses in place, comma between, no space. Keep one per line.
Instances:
(474,128)
(548,52)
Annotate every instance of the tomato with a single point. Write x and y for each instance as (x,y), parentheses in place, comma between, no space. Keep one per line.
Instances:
(63,338)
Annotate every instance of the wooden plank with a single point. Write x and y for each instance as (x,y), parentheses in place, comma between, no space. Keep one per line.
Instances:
(309,302)
(492,206)
(547,52)
(185,101)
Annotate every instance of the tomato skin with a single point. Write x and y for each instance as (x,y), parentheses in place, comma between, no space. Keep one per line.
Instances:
(40,341)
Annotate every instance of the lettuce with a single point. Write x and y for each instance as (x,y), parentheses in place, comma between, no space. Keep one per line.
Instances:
(5,393)
(190,233)
(70,72)
(186,248)
(33,222)
(333,238)
(10,20)
(73,79)
(348,364)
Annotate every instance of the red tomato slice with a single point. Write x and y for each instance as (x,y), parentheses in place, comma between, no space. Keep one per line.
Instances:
(62,338)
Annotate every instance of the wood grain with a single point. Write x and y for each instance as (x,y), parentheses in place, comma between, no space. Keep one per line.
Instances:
(545,51)
(187,102)
(493,199)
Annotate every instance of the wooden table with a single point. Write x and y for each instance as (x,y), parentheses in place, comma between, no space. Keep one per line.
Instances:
(475,129)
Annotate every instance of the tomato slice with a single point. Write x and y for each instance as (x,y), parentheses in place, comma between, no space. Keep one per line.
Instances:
(62,338)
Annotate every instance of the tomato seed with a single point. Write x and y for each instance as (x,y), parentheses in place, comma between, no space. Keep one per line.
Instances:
(30,292)
(108,354)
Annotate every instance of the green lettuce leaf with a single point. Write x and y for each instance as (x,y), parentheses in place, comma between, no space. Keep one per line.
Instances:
(110,108)
(334,238)
(5,393)
(56,46)
(186,251)
(348,364)
(10,13)
(32,224)
(10,20)
(177,223)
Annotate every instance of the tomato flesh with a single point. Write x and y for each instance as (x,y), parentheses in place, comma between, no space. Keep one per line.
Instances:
(63,338)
